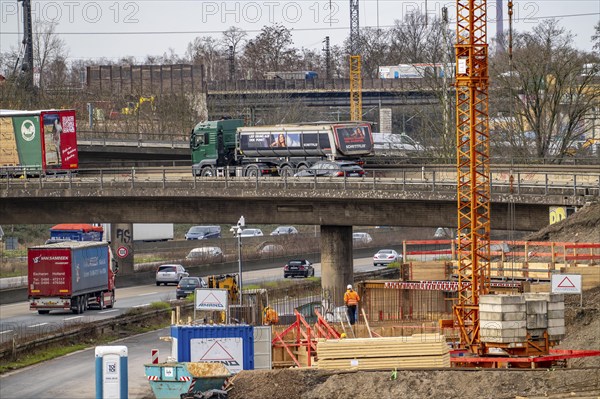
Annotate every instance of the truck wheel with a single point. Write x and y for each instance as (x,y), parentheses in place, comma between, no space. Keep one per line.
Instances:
(207,172)
(101,303)
(77,308)
(43,311)
(302,167)
(112,301)
(251,171)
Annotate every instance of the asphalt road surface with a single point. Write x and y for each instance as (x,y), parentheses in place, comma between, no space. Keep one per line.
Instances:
(16,318)
(73,376)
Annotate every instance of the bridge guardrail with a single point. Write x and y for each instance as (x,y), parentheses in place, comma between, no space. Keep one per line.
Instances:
(421,180)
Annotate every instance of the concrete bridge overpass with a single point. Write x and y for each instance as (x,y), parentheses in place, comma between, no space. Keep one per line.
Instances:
(174,196)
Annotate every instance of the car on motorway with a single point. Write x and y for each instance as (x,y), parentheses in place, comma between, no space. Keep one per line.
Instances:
(203,232)
(271,250)
(251,233)
(361,238)
(298,267)
(385,257)
(188,286)
(282,230)
(206,254)
(333,169)
(170,274)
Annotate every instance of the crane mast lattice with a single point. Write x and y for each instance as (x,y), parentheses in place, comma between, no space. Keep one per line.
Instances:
(473,148)
(355,73)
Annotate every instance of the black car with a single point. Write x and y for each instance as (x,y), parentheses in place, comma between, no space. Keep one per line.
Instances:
(298,267)
(333,169)
(188,286)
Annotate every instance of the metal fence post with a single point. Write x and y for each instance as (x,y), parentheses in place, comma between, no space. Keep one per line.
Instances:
(132,177)
(574,184)
(403,180)
(546,183)
(518,182)
(164,182)
(433,181)
(101,180)
(374,180)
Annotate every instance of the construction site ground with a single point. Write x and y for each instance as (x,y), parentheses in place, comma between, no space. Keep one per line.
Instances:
(580,380)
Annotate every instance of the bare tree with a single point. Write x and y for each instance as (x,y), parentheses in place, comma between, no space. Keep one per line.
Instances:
(596,39)
(373,48)
(549,93)
(233,37)
(270,50)
(205,50)
(47,48)
(409,38)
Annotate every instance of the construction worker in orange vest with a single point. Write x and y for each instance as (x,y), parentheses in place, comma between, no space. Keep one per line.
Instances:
(351,300)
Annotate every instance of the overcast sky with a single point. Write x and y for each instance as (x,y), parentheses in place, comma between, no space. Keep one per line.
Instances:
(110,28)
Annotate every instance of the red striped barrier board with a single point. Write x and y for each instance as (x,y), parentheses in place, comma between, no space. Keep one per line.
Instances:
(440,285)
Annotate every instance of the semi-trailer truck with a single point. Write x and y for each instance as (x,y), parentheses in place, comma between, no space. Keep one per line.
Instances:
(71,275)
(37,142)
(281,150)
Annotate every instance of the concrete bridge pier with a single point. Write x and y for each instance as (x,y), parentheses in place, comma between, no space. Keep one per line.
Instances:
(337,267)
(122,246)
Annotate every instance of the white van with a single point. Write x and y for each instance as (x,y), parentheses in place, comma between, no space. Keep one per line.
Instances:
(206,253)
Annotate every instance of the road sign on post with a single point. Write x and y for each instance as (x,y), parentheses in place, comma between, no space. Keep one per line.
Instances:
(566,284)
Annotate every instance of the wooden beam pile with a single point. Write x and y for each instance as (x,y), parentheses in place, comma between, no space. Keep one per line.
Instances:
(417,351)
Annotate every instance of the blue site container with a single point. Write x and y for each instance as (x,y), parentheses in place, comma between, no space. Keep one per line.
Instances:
(186,340)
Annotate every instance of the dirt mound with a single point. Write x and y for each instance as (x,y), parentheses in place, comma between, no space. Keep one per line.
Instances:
(318,384)
(582,226)
(583,326)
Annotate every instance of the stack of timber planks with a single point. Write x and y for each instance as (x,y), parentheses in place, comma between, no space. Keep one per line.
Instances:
(417,351)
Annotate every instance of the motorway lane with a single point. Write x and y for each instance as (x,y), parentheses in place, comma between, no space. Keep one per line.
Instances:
(16,318)
(73,376)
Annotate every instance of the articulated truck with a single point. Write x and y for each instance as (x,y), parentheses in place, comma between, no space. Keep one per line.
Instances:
(38,142)
(71,275)
(226,146)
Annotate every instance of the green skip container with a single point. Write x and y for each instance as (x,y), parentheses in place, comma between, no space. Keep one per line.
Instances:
(170,380)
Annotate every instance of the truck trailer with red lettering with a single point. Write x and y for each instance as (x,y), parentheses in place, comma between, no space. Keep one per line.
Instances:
(71,275)
(38,142)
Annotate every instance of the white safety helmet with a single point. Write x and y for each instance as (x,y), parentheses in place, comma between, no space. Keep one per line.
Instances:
(349,286)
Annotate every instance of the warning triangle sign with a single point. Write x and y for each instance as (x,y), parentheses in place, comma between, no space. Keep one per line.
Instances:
(211,299)
(566,283)
(216,353)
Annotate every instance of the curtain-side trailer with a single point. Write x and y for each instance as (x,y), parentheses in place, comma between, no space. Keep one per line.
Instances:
(71,275)
(38,142)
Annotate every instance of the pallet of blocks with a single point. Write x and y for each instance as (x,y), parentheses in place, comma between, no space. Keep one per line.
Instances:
(417,351)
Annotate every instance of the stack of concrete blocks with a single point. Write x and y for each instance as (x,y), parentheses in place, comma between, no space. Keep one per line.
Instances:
(502,318)
(554,317)
(510,318)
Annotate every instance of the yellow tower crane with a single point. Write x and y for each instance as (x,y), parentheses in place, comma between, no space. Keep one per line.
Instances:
(473,168)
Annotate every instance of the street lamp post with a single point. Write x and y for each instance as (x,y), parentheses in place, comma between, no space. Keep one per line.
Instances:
(237,230)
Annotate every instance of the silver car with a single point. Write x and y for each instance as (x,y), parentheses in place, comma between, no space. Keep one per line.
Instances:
(385,257)
(170,274)
(251,233)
